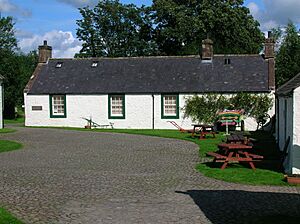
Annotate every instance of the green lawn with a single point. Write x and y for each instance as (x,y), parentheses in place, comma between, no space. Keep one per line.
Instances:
(6,145)
(6,130)
(6,218)
(18,120)
(237,173)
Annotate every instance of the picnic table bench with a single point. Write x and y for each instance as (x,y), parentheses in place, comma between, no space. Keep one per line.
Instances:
(239,138)
(204,129)
(235,138)
(235,152)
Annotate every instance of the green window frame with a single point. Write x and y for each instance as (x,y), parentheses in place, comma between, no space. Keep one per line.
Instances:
(116,102)
(56,105)
(165,115)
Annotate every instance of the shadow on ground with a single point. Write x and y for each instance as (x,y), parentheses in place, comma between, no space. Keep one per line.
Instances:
(235,206)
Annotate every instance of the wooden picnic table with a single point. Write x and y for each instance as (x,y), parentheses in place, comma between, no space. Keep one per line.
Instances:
(204,129)
(236,139)
(235,152)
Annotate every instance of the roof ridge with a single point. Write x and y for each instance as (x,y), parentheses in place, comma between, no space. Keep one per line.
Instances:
(151,57)
(288,82)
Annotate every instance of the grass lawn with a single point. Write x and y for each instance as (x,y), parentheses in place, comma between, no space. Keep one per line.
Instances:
(6,218)
(6,146)
(14,121)
(6,130)
(237,173)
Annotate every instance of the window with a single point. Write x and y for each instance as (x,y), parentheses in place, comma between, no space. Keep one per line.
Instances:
(170,106)
(58,64)
(116,106)
(227,61)
(58,106)
(94,64)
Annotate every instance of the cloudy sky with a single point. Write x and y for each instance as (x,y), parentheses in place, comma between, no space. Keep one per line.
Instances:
(55,20)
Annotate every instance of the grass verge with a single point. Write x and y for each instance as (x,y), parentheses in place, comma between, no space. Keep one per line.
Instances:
(14,121)
(7,218)
(237,173)
(6,130)
(6,145)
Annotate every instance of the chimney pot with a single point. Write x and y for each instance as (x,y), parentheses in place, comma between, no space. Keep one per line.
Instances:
(270,34)
(45,52)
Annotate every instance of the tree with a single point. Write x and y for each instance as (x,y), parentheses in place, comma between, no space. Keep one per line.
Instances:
(204,108)
(8,40)
(168,27)
(115,30)
(15,67)
(288,56)
(181,26)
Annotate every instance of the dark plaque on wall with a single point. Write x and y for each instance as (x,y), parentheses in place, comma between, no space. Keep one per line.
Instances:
(37,108)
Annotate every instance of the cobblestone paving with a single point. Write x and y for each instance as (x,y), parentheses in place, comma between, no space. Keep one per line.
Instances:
(63,176)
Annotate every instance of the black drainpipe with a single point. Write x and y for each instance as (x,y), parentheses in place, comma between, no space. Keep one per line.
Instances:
(153,119)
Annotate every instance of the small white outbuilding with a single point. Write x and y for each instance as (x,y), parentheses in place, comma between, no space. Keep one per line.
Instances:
(288,123)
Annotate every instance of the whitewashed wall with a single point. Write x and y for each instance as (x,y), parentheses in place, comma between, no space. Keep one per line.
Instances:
(296,118)
(138,112)
(1,104)
(296,133)
(289,125)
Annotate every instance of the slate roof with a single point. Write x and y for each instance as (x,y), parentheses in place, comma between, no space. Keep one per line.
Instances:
(289,86)
(186,74)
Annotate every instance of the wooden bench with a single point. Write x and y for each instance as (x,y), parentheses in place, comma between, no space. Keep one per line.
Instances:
(204,133)
(254,156)
(217,157)
(235,139)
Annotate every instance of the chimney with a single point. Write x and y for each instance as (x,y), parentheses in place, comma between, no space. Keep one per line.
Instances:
(207,50)
(45,52)
(269,46)
(270,58)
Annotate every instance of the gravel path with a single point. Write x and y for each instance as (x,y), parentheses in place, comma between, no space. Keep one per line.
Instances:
(63,176)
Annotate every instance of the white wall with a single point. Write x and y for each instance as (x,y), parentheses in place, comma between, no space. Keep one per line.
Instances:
(138,112)
(296,131)
(289,125)
(295,160)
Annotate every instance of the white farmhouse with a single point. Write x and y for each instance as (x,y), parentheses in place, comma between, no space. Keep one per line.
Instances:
(141,92)
(288,123)
(1,102)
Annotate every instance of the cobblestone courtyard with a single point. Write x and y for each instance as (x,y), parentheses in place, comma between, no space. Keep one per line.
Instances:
(63,176)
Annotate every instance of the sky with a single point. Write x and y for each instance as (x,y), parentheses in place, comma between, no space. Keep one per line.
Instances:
(55,20)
